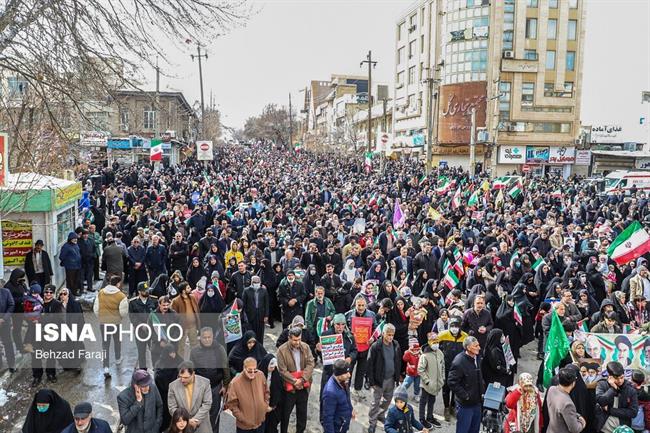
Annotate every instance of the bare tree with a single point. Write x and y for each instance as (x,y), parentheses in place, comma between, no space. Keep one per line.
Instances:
(272,124)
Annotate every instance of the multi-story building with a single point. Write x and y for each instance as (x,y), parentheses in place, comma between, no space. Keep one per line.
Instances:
(518,64)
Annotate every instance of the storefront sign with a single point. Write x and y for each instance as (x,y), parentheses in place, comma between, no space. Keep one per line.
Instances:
(537,155)
(512,154)
(67,194)
(606,133)
(16,242)
(4,158)
(456,104)
(332,348)
(562,155)
(583,157)
(93,138)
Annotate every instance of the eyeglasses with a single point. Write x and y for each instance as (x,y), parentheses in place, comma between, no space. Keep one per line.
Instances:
(64,293)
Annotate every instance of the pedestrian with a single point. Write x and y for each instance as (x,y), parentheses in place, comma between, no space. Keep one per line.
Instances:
(140,307)
(166,371)
(137,270)
(384,368)
(86,423)
(70,259)
(431,368)
(401,416)
(52,313)
(318,308)
(477,321)
(360,310)
(411,358)
(494,366)
(466,382)
(87,250)
(256,306)
(296,366)
(269,366)
(616,399)
(248,399)
(38,265)
(562,415)
(155,259)
(246,347)
(140,405)
(451,344)
(18,288)
(292,297)
(339,326)
(111,306)
(336,406)
(524,403)
(187,310)
(7,307)
(48,413)
(112,260)
(193,393)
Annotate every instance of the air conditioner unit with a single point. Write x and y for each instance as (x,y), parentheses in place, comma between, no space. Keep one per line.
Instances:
(508,55)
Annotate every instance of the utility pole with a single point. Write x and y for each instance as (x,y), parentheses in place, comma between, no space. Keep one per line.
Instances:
(472,143)
(200,56)
(431,81)
(290,122)
(371,65)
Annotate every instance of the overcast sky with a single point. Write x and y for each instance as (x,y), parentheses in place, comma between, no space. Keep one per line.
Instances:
(288,43)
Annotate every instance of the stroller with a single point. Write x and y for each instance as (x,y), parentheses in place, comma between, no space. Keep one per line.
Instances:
(494,411)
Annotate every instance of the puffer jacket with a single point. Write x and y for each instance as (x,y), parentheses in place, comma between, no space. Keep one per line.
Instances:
(432,370)
(401,421)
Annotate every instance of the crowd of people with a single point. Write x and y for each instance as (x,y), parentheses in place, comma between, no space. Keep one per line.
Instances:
(435,282)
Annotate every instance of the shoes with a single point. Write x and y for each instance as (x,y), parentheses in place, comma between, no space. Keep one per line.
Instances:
(371,429)
(416,398)
(435,423)
(51,379)
(447,414)
(118,361)
(426,424)
(36,381)
(12,370)
(452,411)
(107,373)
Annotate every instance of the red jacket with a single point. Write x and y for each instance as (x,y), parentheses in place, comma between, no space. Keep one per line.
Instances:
(511,403)
(411,360)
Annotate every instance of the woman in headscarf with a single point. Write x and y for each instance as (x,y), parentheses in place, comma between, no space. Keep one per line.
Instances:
(310,281)
(524,403)
(246,347)
(587,305)
(173,289)
(505,320)
(554,289)
(212,264)
(387,290)
(543,277)
(73,315)
(194,273)
(349,272)
(376,273)
(269,366)
(397,317)
(494,366)
(210,306)
(48,413)
(419,282)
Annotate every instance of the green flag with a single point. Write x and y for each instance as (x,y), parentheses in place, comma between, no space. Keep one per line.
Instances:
(557,346)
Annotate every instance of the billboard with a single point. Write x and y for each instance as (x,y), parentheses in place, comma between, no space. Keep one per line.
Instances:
(456,103)
(204,150)
(537,155)
(607,134)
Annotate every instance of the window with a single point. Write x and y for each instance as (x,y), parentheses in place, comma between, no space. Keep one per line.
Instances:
(413,20)
(422,44)
(550,60)
(17,87)
(573,4)
(97,121)
(531,28)
(400,77)
(64,224)
(530,54)
(572,30)
(423,14)
(504,101)
(570,60)
(400,56)
(527,93)
(412,75)
(400,31)
(549,90)
(149,119)
(411,49)
(552,4)
(552,29)
(568,90)
(124,119)
(422,71)
(412,102)
(532,3)
(507,40)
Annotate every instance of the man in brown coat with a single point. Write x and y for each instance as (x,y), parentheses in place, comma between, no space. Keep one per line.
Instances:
(296,366)
(248,398)
(187,309)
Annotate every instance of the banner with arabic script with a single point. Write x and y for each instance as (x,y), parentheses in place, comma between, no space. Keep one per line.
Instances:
(16,242)
(631,350)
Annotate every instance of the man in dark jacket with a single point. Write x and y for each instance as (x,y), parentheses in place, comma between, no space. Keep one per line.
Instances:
(140,308)
(38,265)
(70,258)
(178,251)
(349,347)
(256,307)
(18,289)
(238,282)
(7,306)
(138,272)
(477,321)
(425,260)
(155,258)
(140,404)
(336,406)
(292,297)
(84,422)
(211,362)
(87,250)
(331,282)
(384,368)
(616,399)
(466,382)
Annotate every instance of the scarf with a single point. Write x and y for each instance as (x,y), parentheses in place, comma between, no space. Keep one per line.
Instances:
(527,410)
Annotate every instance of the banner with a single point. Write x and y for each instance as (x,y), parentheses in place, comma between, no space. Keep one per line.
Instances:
(362,330)
(4,158)
(507,351)
(232,327)
(332,348)
(16,242)
(631,350)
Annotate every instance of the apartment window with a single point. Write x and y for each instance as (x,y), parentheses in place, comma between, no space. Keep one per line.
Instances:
(507,39)
(422,44)
(532,3)
(412,75)
(17,87)
(422,71)
(531,28)
(149,119)
(550,60)
(549,89)
(400,77)
(530,54)
(568,90)
(411,49)
(124,120)
(412,102)
(413,20)
(573,4)
(423,14)
(400,31)
(552,4)
(527,93)
(570,60)
(504,100)
(552,29)
(400,56)
(572,30)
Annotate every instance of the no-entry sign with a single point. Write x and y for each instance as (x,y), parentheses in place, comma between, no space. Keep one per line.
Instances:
(204,151)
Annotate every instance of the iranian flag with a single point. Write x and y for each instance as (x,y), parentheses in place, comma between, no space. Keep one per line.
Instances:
(519,318)
(455,200)
(322,325)
(629,245)
(451,280)
(500,183)
(457,254)
(368,161)
(446,266)
(538,263)
(379,330)
(156,151)
(515,190)
(556,194)
(459,268)
(445,186)
(473,199)
(422,180)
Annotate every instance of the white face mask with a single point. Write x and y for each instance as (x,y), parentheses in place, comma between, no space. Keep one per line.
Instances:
(503,340)
(256,285)
(312,272)
(434,346)
(454,330)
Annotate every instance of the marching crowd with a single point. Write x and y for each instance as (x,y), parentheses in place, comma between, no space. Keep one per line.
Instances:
(434,282)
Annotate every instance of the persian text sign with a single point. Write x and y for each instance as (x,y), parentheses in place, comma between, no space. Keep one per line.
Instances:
(362,330)
(67,194)
(332,348)
(4,158)
(16,242)
(456,104)
(562,155)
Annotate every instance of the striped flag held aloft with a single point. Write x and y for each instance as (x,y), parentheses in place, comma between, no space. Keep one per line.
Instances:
(451,280)
(519,318)
(539,262)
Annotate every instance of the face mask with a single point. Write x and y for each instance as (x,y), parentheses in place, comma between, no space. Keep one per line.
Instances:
(43,409)
(290,280)
(434,346)
(454,330)
(256,285)
(312,272)
(210,293)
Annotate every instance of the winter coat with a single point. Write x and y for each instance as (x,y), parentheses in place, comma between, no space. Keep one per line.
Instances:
(412,360)
(628,403)
(337,407)
(144,417)
(401,421)
(7,305)
(375,369)
(311,311)
(451,346)
(70,256)
(513,404)
(432,370)
(29,265)
(96,426)
(465,380)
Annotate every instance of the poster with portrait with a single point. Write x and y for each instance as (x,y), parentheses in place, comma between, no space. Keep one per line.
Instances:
(232,327)
(631,350)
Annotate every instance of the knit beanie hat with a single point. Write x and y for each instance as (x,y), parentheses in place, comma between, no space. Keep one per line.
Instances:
(401,393)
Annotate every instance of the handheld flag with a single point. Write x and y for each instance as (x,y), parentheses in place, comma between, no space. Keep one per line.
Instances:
(433,214)
(451,280)
(473,199)
(455,201)
(398,216)
(235,308)
(582,326)
(539,262)
(379,330)
(519,318)
(557,346)
(515,190)
(322,325)
(632,243)
(156,150)
(499,200)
